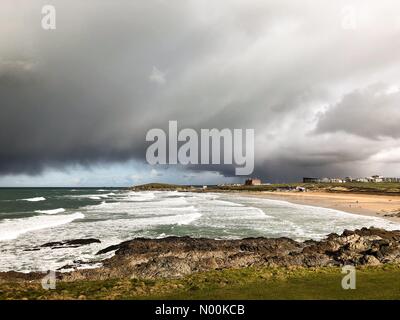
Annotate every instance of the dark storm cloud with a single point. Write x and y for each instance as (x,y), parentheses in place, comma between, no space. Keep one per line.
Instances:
(372,113)
(89,91)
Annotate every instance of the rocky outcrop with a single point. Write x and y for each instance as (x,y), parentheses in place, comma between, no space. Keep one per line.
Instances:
(178,256)
(74,243)
(70,243)
(175,257)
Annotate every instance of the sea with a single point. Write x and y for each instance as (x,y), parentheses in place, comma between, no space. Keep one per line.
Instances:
(31,217)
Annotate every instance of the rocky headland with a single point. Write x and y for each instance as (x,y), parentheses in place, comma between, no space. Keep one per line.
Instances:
(175,257)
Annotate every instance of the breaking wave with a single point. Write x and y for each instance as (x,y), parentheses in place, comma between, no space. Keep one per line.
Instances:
(12,228)
(53,211)
(36,199)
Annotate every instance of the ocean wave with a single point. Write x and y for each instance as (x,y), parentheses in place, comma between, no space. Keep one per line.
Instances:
(52,211)
(187,218)
(92,196)
(36,199)
(227,203)
(173,201)
(188,208)
(13,228)
(159,220)
(99,196)
(139,196)
(106,195)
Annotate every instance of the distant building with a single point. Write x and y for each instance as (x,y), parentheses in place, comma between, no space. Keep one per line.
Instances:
(252,182)
(389,179)
(374,179)
(336,180)
(311,180)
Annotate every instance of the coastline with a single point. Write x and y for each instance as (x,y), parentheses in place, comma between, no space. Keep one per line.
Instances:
(382,206)
(205,268)
(177,266)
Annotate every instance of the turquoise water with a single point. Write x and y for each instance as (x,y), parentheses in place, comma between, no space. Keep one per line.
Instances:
(31,217)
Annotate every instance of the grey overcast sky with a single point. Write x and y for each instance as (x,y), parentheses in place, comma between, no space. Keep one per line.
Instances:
(318,80)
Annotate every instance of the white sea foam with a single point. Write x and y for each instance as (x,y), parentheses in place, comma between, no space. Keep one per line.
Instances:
(187,218)
(92,196)
(173,201)
(188,208)
(12,228)
(53,211)
(36,199)
(227,203)
(139,196)
(129,225)
(98,196)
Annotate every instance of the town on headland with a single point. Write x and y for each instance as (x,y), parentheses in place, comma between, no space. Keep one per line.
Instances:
(375,184)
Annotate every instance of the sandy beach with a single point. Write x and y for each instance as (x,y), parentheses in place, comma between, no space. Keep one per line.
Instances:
(383,206)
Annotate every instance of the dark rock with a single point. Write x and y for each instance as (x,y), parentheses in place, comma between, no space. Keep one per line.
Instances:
(82,242)
(65,244)
(51,244)
(178,256)
(70,243)
(77,263)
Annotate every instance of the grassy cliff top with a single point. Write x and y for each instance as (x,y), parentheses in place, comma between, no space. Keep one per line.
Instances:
(158,186)
(383,188)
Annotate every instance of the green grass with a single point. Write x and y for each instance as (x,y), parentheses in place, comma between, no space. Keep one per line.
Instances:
(158,186)
(384,188)
(249,283)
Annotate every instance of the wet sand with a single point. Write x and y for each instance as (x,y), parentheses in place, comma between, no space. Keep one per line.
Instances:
(383,206)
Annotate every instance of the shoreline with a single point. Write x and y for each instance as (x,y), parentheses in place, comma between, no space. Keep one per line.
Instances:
(381,206)
(360,204)
(176,263)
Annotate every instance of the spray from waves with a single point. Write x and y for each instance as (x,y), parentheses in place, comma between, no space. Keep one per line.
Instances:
(34,199)
(53,211)
(12,228)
